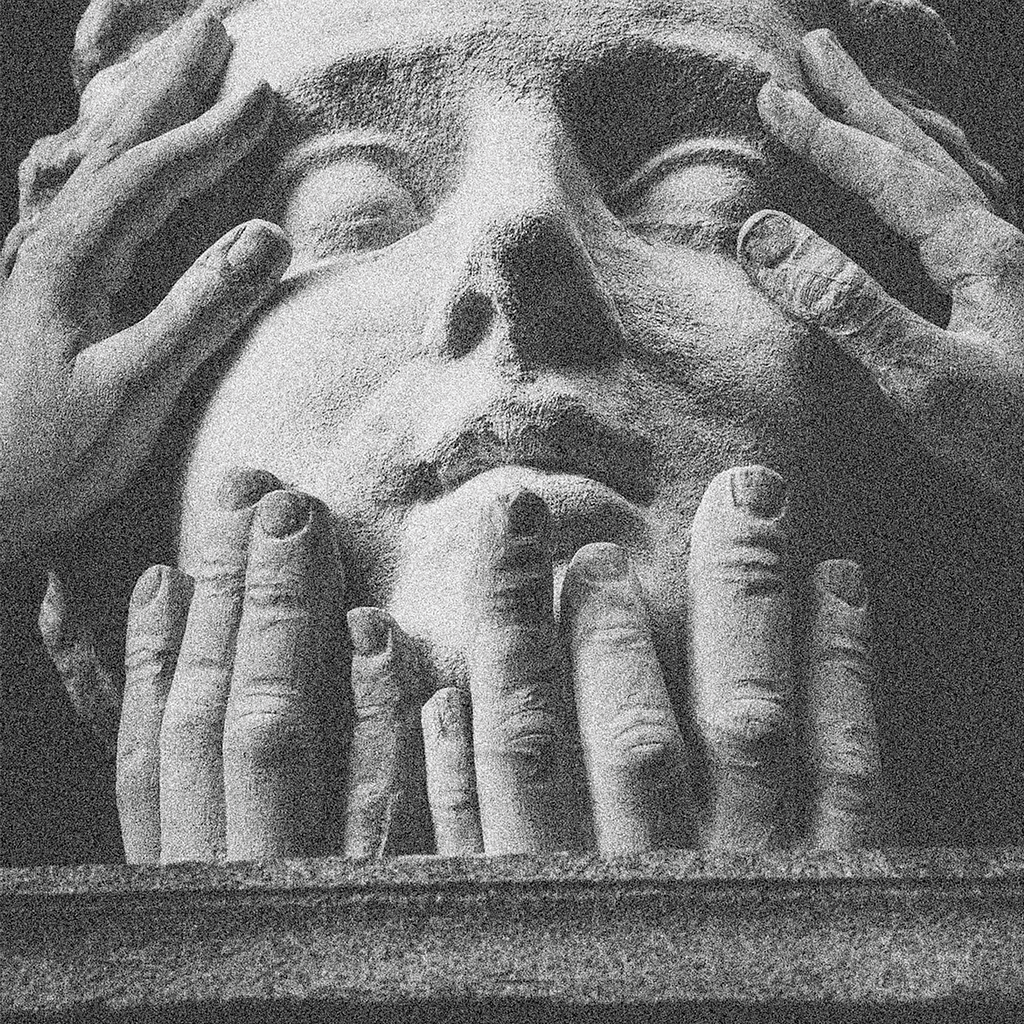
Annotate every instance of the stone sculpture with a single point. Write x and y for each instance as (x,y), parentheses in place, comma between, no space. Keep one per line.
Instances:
(552,395)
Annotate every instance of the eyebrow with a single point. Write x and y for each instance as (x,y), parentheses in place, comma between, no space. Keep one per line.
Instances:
(321,150)
(647,95)
(627,102)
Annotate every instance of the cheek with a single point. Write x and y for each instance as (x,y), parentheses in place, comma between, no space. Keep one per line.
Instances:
(710,339)
(303,374)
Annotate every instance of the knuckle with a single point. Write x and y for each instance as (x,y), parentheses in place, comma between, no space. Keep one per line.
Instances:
(628,640)
(146,653)
(648,758)
(529,738)
(187,729)
(270,731)
(849,754)
(749,730)
(833,291)
(137,773)
(281,599)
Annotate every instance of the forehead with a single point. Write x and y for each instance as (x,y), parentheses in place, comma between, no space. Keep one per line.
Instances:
(285,41)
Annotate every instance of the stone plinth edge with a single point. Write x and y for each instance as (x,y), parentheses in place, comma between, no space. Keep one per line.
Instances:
(894,935)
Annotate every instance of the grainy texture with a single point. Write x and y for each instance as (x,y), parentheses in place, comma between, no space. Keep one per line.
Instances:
(727,937)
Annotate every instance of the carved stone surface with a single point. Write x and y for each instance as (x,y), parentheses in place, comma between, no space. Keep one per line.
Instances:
(931,935)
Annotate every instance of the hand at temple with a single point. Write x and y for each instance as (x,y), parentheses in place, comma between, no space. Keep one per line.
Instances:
(81,402)
(753,720)
(959,390)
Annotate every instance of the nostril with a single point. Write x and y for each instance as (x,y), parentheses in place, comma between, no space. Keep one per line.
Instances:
(471,315)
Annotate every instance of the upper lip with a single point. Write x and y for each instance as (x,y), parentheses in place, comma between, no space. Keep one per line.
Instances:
(557,434)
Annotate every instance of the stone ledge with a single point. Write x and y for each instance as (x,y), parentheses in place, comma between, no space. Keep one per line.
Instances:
(924,935)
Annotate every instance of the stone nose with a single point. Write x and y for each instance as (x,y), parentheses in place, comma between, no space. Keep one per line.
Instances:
(523,288)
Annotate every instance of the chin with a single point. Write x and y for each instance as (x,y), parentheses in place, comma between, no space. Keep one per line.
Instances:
(426,594)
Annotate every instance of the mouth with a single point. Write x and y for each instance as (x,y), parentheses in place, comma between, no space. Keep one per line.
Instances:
(555,437)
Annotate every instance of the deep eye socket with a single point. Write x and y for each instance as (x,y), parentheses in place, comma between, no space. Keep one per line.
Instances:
(351,204)
(699,201)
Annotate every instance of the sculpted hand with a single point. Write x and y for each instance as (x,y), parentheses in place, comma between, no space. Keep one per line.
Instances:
(240,736)
(510,741)
(81,402)
(959,390)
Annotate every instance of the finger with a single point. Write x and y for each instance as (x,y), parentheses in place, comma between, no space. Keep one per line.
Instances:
(741,657)
(93,240)
(842,731)
(836,79)
(192,815)
(284,707)
(632,746)
(165,90)
(813,281)
(45,170)
(12,245)
(95,692)
(966,250)
(929,375)
(156,625)
(451,780)
(203,311)
(519,727)
(380,777)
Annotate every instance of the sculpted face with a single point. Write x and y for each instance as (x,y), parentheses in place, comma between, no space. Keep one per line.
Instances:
(515,228)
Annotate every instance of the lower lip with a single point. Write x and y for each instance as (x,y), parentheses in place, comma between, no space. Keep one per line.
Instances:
(583,511)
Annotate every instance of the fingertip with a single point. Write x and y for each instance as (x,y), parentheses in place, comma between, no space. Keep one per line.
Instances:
(514,520)
(446,714)
(593,565)
(370,629)
(772,102)
(757,490)
(282,513)
(241,487)
(521,513)
(146,588)
(259,248)
(765,240)
(258,101)
(821,42)
(843,579)
(204,31)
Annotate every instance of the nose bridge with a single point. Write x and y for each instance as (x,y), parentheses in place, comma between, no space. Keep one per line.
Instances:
(523,276)
(519,161)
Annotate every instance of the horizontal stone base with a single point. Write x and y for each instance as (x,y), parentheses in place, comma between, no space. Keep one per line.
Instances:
(922,935)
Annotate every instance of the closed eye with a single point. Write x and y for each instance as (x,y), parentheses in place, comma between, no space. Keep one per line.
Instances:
(698,194)
(343,199)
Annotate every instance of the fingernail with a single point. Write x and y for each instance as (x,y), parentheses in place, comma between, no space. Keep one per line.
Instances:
(827,41)
(255,110)
(526,515)
(603,562)
(239,487)
(282,513)
(147,587)
(776,99)
(369,629)
(843,579)
(261,249)
(201,27)
(767,238)
(449,708)
(759,490)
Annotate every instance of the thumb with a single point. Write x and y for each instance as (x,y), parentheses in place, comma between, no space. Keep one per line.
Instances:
(812,281)
(204,309)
